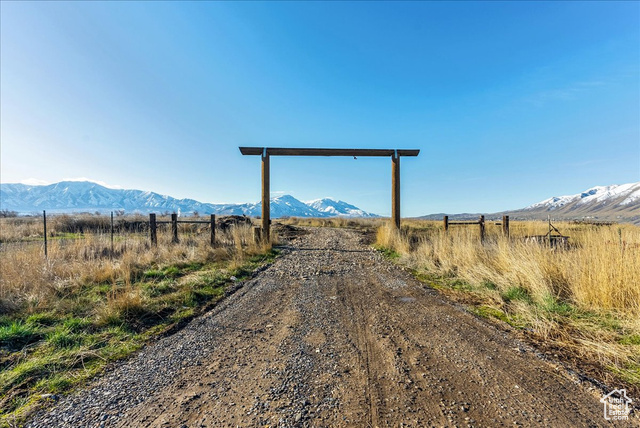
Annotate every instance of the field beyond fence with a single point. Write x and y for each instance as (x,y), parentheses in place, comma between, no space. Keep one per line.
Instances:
(97,297)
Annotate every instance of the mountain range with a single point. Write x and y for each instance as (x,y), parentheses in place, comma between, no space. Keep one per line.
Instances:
(85,196)
(620,203)
(600,203)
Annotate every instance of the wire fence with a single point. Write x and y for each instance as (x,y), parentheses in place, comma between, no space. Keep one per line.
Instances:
(115,230)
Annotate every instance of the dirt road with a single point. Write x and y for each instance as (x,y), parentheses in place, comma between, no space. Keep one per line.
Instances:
(333,335)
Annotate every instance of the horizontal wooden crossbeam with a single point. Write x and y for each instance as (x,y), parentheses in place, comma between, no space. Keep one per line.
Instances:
(276,151)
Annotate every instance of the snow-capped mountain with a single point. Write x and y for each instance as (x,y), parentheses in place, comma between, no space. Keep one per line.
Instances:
(333,207)
(619,203)
(597,197)
(606,203)
(279,206)
(70,196)
(84,196)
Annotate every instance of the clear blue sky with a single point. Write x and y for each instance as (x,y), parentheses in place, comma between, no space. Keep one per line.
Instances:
(509,102)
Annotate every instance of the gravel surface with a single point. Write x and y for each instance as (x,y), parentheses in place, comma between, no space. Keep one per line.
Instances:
(332,335)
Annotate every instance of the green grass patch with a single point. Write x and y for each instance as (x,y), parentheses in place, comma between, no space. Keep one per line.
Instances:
(158,289)
(64,338)
(630,372)
(153,274)
(42,319)
(388,253)
(489,285)
(516,293)
(172,272)
(554,306)
(458,284)
(490,312)
(190,267)
(630,339)
(17,334)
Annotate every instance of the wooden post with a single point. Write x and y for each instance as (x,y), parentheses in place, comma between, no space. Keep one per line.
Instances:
(445,221)
(505,225)
(266,214)
(153,229)
(213,230)
(481,223)
(44,217)
(257,234)
(112,233)
(174,228)
(395,190)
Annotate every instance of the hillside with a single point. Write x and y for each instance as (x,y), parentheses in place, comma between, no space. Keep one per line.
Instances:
(84,196)
(620,203)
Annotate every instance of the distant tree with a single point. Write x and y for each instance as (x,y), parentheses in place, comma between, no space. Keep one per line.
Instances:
(119,213)
(8,213)
(196,213)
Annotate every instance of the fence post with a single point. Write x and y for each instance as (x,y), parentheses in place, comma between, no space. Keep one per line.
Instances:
(481,223)
(174,228)
(44,217)
(213,230)
(505,225)
(445,220)
(112,233)
(152,229)
(257,234)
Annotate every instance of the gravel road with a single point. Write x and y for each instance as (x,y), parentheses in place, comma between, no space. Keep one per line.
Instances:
(332,335)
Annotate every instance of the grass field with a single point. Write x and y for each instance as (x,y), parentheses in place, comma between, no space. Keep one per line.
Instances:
(580,302)
(62,319)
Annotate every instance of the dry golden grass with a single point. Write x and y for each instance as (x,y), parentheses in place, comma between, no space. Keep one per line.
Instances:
(29,281)
(599,271)
(584,299)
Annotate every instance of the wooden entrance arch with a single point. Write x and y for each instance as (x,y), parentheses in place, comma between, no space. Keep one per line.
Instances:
(266,152)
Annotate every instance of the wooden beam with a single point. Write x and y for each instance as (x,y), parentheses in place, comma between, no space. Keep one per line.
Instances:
(408,152)
(276,151)
(266,214)
(255,151)
(395,191)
